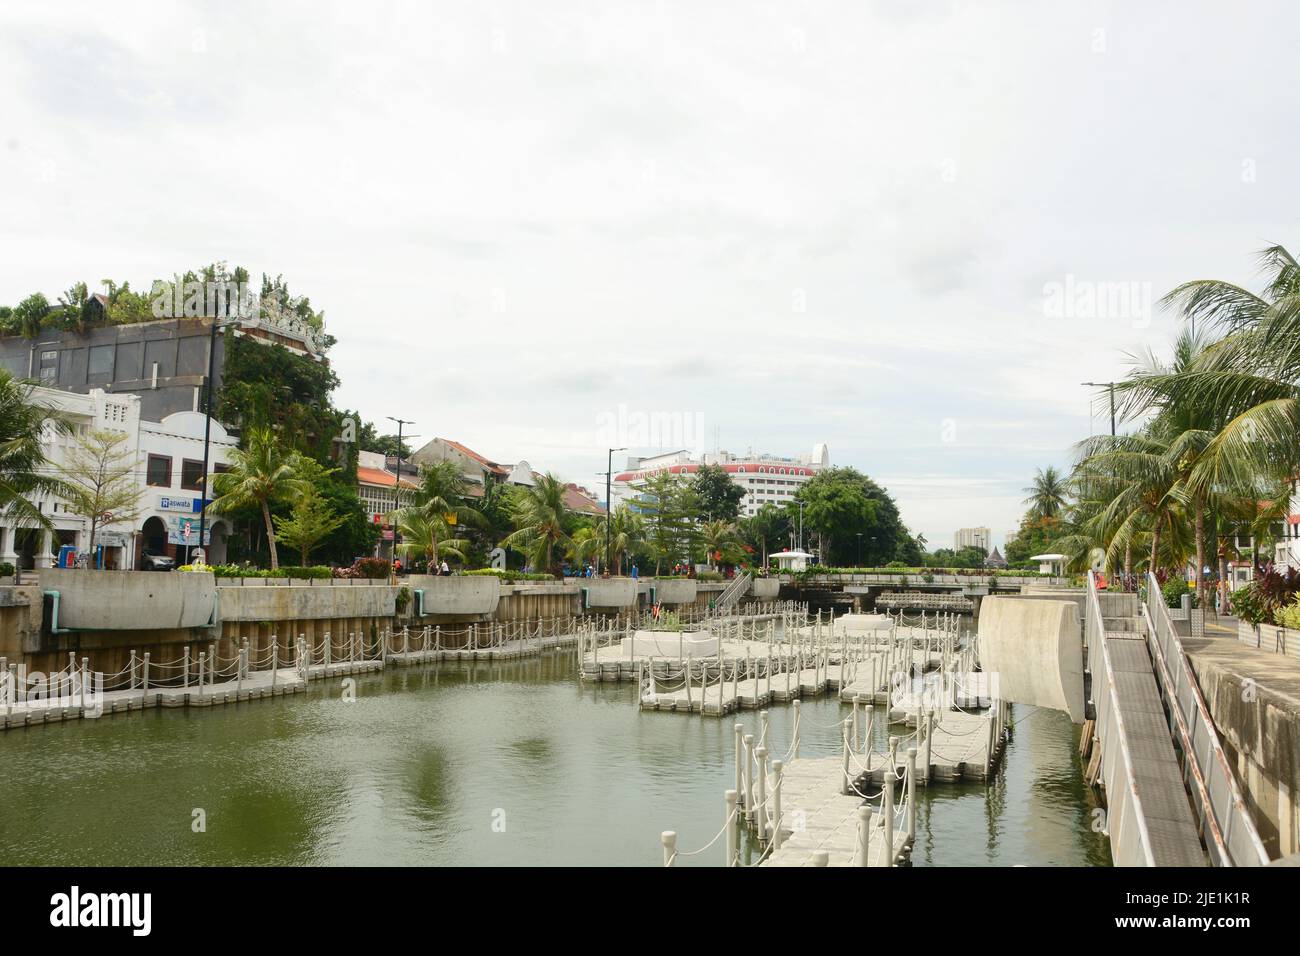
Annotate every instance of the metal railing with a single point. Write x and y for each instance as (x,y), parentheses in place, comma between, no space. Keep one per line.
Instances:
(1231,838)
(732,592)
(1129,838)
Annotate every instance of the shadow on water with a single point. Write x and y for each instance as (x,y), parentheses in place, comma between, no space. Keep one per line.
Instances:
(512,762)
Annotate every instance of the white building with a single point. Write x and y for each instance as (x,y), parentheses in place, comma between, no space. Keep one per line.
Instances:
(766,479)
(973,538)
(1287,548)
(168,469)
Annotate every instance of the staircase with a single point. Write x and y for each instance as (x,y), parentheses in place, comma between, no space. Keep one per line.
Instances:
(732,592)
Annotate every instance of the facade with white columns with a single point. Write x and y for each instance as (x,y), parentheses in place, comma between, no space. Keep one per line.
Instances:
(167,461)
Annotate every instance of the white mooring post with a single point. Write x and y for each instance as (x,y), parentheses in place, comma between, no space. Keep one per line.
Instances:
(738,729)
(911,794)
(929,732)
(821,858)
(888,809)
(669,839)
(778,772)
(845,787)
(187,667)
(796,730)
(863,856)
(275,662)
(85,675)
(731,824)
(145,682)
(203,662)
(988,756)
(761,755)
(239,671)
(212,663)
(749,775)
(133,668)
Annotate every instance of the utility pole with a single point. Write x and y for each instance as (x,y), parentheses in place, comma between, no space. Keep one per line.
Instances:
(207,434)
(397,489)
(1111,387)
(609,509)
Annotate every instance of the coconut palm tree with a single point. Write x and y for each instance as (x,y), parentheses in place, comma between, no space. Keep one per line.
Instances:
(626,531)
(1047,494)
(721,540)
(539,516)
(1133,487)
(437,507)
(261,474)
(428,535)
(24,471)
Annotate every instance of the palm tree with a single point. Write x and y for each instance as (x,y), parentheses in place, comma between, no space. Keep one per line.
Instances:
(625,533)
(586,544)
(440,505)
(24,472)
(1131,487)
(429,536)
(1047,494)
(721,541)
(539,517)
(260,474)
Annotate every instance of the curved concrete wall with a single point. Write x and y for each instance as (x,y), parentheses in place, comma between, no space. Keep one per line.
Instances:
(457,594)
(672,590)
(671,644)
(280,603)
(765,589)
(1035,649)
(131,600)
(610,592)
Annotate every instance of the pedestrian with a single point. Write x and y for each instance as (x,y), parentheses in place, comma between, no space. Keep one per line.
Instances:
(634,572)
(444,570)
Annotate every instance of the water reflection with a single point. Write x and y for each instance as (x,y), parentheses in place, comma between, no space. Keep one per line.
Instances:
(511,762)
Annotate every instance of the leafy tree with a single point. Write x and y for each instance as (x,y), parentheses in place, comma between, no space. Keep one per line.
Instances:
(767,530)
(24,472)
(100,484)
(540,523)
(718,495)
(29,314)
(626,533)
(722,542)
(260,474)
(311,520)
(840,503)
(428,535)
(670,508)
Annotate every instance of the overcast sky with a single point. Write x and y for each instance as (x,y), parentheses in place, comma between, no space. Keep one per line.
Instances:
(870,224)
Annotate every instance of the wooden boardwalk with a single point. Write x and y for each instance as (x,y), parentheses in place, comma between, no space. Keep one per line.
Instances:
(816,815)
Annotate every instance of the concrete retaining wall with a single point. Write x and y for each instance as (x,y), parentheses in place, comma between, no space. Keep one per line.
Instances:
(672,590)
(1035,649)
(131,600)
(765,589)
(461,594)
(610,592)
(284,603)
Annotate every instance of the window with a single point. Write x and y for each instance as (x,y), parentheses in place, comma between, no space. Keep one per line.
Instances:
(160,472)
(191,474)
(100,360)
(49,368)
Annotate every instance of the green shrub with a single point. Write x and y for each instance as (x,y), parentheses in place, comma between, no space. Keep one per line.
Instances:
(403,599)
(240,571)
(510,577)
(7,570)
(1249,605)
(1289,615)
(1173,591)
(710,576)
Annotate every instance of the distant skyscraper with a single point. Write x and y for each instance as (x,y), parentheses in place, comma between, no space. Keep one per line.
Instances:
(972,538)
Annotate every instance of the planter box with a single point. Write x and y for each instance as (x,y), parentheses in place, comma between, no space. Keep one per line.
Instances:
(131,600)
(765,589)
(455,594)
(609,592)
(674,644)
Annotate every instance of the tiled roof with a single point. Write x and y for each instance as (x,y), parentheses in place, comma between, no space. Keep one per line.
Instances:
(491,466)
(373,476)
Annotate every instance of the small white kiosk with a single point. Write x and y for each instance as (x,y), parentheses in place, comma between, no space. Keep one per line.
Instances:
(791,560)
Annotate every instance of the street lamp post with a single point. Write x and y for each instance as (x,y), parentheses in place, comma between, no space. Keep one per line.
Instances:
(397,490)
(859,549)
(1111,386)
(207,431)
(609,509)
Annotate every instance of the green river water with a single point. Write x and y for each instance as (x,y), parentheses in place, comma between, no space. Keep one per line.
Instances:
(513,763)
